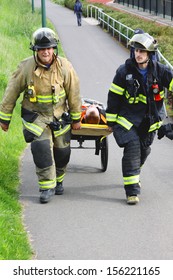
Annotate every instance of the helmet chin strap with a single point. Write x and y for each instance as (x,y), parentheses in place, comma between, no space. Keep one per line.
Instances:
(146,61)
(56,53)
(34,50)
(34,56)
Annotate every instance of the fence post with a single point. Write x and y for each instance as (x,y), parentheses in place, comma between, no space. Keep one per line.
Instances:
(43,9)
(138,4)
(163,8)
(32,6)
(150,7)
(132,3)
(156,7)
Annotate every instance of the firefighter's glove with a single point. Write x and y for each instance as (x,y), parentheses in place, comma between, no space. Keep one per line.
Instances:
(161,132)
(165,130)
(66,118)
(4,126)
(170,133)
(61,123)
(55,125)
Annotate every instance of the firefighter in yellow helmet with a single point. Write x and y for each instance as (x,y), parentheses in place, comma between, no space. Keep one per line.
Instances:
(135,108)
(51,105)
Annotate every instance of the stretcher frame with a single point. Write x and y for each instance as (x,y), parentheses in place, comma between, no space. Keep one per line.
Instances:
(97,133)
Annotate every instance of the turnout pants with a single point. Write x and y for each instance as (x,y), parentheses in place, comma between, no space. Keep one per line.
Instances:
(51,156)
(136,151)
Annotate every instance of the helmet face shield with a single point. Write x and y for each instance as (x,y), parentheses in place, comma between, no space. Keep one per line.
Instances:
(143,42)
(139,46)
(44,38)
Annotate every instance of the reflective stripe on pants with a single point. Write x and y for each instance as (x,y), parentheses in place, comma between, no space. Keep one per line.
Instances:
(135,153)
(43,155)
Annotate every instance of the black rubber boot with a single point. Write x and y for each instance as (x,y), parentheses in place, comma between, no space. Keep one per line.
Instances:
(46,195)
(59,188)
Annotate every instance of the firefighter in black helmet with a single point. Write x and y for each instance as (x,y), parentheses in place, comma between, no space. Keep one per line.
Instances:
(44,38)
(51,105)
(135,108)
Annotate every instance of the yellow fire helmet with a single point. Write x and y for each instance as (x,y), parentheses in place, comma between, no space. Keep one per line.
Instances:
(143,42)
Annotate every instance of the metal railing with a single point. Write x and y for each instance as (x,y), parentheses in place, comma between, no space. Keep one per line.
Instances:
(117,29)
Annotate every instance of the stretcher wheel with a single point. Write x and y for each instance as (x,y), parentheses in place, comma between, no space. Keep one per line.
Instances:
(104,153)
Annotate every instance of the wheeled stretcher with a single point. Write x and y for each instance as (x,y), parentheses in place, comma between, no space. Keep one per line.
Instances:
(96,132)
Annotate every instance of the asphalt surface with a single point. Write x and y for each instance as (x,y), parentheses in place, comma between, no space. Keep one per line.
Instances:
(92,220)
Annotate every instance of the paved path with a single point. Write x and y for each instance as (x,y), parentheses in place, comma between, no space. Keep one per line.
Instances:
(91,220)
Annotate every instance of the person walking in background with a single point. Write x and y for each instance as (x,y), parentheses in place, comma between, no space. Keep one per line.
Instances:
(51,105)
(78,12)
(135,108)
